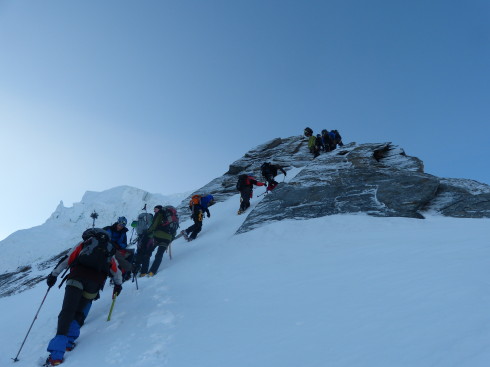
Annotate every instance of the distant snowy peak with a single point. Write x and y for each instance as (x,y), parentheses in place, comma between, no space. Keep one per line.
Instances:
(110,204)
(64,227)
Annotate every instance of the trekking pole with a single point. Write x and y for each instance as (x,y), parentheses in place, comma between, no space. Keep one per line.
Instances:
(112,307)
(16,359)
(265,192)
(135,279)
(170,251)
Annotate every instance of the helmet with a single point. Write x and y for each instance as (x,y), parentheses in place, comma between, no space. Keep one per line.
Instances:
(122,221)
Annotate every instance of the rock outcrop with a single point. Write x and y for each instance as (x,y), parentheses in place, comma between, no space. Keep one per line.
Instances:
(377,179)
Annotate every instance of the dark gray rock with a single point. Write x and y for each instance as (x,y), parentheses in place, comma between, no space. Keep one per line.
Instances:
(378,179)
(461,199)
(289,152)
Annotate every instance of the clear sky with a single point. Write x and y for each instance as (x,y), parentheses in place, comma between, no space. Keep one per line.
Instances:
(164,95)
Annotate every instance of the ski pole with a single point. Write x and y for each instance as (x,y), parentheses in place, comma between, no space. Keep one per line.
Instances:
(16,359)
(112,307)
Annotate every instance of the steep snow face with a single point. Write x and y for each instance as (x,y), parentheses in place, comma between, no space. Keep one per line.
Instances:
(341,290)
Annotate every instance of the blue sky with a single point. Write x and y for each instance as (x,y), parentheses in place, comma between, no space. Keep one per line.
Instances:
(164,95)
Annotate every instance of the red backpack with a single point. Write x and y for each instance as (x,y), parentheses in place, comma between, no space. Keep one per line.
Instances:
(170,220)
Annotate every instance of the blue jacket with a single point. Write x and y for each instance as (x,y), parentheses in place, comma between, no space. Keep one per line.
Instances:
(205,201)
(118,238)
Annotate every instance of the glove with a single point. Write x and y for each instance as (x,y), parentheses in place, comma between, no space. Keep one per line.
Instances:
(209,215)
(51,280)
(117,290)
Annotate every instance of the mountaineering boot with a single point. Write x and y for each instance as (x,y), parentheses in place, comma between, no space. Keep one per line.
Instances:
(70,346)
(142,275)
(53,362)
(184,233)
(150,274)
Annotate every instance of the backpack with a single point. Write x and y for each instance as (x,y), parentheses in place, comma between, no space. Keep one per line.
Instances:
(96,250)
(242,182)
(308,131)
(269,169)
(170,220)
(319,141)
(195,200)
(266,169)
(144,222)
(338,138)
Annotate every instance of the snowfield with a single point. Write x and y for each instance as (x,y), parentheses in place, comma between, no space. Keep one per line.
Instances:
(338,291)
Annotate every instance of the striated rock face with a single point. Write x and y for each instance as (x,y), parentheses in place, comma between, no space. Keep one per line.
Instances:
(378,179)
(461,198)
(290,152)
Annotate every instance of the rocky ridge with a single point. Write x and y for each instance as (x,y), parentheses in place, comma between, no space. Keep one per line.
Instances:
(377,179)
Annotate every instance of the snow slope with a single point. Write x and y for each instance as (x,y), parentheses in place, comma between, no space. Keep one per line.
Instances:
(348,291)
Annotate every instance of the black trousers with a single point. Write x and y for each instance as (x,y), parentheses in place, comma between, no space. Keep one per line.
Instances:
(143,254)
(74,303)
(161,248)
(246,194)
(197,226)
